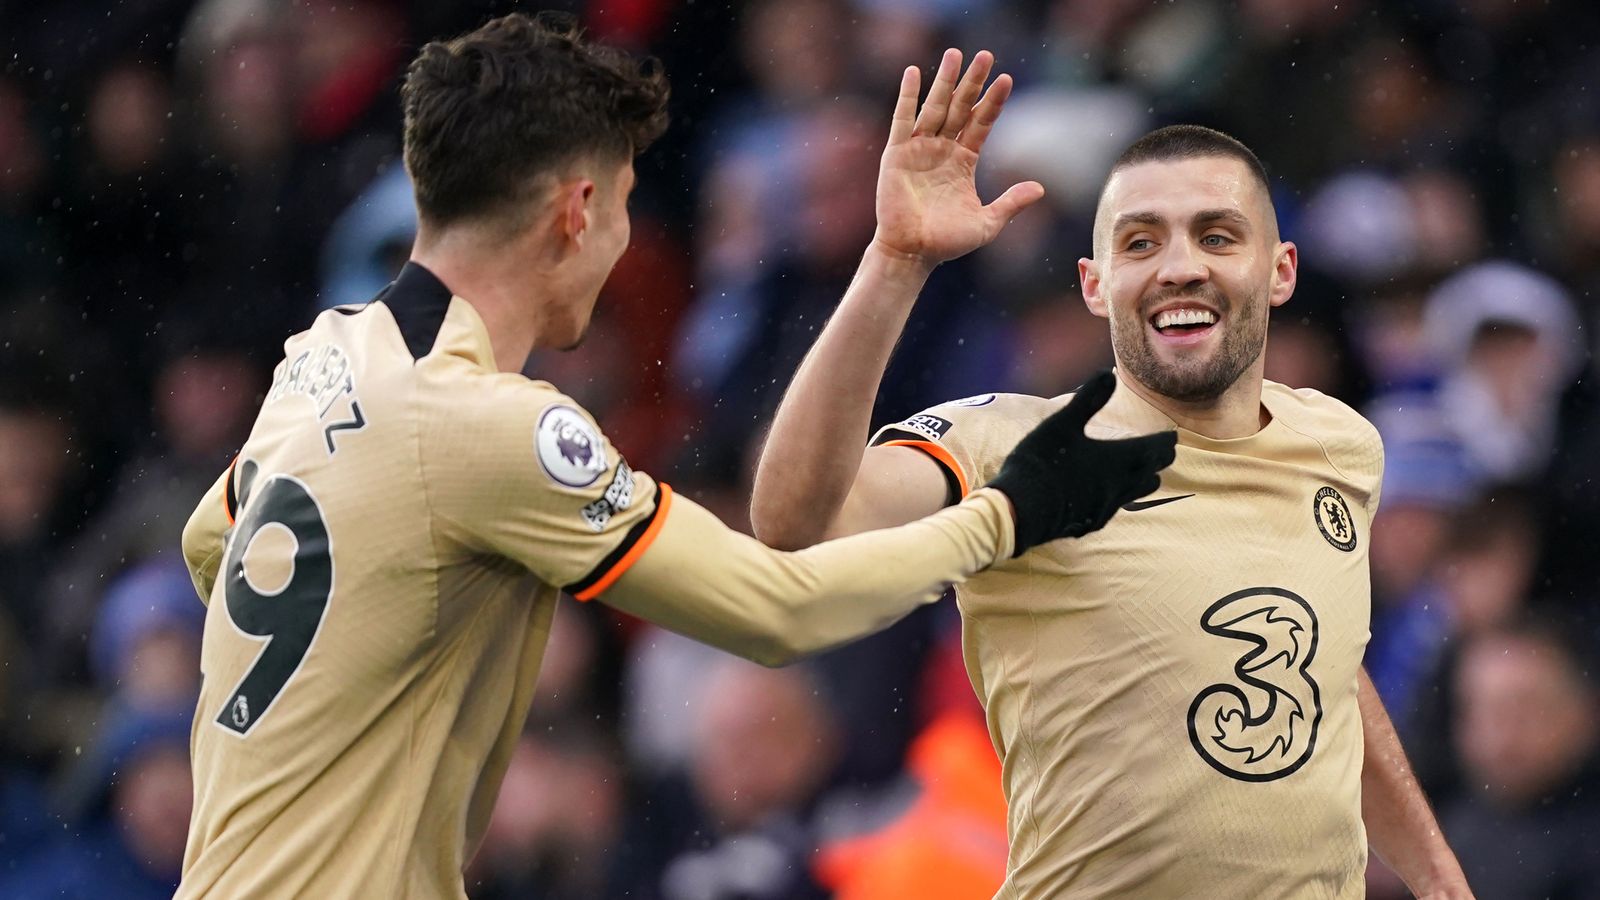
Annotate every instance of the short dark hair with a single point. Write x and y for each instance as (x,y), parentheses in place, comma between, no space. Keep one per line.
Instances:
(1176,142)
(489,112)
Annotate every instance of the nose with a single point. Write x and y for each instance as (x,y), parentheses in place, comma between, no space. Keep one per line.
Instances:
(1182,265)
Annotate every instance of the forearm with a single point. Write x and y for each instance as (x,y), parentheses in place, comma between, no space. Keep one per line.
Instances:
(1401,827)
(814,449)
(704,580)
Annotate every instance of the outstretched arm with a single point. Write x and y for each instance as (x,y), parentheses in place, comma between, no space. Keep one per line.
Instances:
(1400,827)
(698,577)
(708,582)
(813,482)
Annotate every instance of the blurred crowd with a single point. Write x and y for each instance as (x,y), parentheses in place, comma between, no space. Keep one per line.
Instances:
(184,184)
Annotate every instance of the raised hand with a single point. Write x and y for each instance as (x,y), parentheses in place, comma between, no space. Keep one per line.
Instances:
(928,205)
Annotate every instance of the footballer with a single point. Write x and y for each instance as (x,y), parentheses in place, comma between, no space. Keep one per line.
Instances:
(382,560)
(1177,698)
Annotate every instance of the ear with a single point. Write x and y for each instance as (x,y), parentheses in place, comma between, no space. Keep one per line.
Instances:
(1089,283)
(573,209)
(1285,273)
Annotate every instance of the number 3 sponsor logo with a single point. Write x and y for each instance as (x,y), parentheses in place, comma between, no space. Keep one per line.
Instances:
(1263,725)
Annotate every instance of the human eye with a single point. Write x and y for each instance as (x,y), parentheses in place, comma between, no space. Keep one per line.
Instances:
(1139,245)
(1216,241)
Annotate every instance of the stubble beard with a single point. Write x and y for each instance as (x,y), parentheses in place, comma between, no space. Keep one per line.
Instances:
(1193,380)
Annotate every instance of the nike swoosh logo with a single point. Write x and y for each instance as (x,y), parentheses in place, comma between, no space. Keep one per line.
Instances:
(1137,505)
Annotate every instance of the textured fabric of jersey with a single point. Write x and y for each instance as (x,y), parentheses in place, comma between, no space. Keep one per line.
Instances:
(1173,698)
(406,514)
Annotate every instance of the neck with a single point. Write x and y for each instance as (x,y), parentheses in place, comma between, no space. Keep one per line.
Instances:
(1237,413)
(493,278)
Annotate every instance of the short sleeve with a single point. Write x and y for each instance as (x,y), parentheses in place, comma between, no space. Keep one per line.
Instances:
(1368,459)
(1354,446)
(523,472)
(1351,443)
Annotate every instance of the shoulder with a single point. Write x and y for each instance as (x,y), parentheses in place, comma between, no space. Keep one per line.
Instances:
(998,410)
(491,418)
(971,435)
(1311,410)
(972,422)
(457,390)
(1351,442)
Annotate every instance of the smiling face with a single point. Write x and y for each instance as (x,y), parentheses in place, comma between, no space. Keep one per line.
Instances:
(1187,263)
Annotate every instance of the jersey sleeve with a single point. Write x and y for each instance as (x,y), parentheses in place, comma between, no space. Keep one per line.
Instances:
(1366,460)
(522,471)
(704,580)
(969,438)
(1352,444)
(205,534)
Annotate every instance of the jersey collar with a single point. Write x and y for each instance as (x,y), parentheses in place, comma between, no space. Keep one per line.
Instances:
(1127,413)
(432,319)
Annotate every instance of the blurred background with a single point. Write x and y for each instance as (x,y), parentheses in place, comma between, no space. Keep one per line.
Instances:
(184,184)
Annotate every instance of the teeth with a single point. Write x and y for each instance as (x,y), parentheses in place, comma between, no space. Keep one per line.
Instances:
(1185,317)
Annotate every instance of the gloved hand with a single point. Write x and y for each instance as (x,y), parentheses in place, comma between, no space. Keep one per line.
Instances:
(1063,483)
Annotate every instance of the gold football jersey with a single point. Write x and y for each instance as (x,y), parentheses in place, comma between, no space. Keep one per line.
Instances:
(381,564)
(1173,697)
(339,731)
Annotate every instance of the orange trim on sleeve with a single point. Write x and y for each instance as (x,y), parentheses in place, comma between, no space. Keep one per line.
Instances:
(663,504)
(227,489)
(937,452)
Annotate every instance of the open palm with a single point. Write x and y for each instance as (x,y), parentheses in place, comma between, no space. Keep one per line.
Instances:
(928,205)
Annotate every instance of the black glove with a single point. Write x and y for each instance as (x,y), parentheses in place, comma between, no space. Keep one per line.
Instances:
(1063,483)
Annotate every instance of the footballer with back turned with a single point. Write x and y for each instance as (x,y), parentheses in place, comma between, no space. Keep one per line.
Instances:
(381,562)
(1177,698)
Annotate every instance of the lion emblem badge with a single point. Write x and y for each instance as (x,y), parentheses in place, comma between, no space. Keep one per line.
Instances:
(569,448)
(1333,519)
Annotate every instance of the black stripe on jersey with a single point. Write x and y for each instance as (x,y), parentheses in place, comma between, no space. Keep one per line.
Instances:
(418,301)
(353,309)
(952,485)
(617,553)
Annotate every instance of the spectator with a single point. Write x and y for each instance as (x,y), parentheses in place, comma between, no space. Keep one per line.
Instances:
(344,63)
(145,648)
(369,242)
(795,294)
(1509,342)
(1575,225)
(123,220)
(739,827)
(557,817)
(34,477)
(951,843)
(1486,577)
(1529,739)
(22,193)
(127,839)
(203,399)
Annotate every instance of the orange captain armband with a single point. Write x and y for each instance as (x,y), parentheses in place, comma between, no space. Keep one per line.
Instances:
(633,546)
(940,454)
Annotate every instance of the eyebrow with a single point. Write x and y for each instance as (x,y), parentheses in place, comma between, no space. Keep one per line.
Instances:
(1203,217)
(1137,218)
(1230,216)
